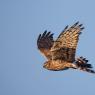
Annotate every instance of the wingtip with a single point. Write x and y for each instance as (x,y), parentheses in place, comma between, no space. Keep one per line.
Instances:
(51,35)
(48,34)
(80,25)
(45,32)
(39,37)
(76,23)
(82,28)
(65,28)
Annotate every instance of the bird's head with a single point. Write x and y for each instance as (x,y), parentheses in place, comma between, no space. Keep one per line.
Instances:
(47,65)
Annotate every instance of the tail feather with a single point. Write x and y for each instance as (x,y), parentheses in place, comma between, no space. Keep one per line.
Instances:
(85,65)
(90,71)
(82,64)
(87,70)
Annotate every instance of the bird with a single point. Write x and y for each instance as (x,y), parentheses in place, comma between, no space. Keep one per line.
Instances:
(61,53)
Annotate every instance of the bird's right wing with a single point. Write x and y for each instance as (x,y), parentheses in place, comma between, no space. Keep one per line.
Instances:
(44,43)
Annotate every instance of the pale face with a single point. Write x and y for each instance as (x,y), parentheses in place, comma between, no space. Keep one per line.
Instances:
(46,65)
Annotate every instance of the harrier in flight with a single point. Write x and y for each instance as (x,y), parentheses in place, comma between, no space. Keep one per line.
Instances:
(60,53)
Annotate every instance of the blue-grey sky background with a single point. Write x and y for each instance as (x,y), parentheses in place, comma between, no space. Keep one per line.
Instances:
(21,64)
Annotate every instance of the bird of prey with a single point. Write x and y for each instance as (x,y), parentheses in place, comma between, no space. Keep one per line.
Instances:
(60,53)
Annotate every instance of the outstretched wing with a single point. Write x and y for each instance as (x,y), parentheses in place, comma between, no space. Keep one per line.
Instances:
(44,43)
(64,47)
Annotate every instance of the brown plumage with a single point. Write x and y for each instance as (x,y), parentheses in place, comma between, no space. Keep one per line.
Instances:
(60,53)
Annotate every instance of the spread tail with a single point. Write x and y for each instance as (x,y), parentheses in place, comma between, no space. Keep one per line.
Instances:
(82,64)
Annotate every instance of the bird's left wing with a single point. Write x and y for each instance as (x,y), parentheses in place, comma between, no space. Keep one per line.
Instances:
(64,47)
(45,42)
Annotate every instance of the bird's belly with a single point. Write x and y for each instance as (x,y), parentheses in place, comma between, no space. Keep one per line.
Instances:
(57,65)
